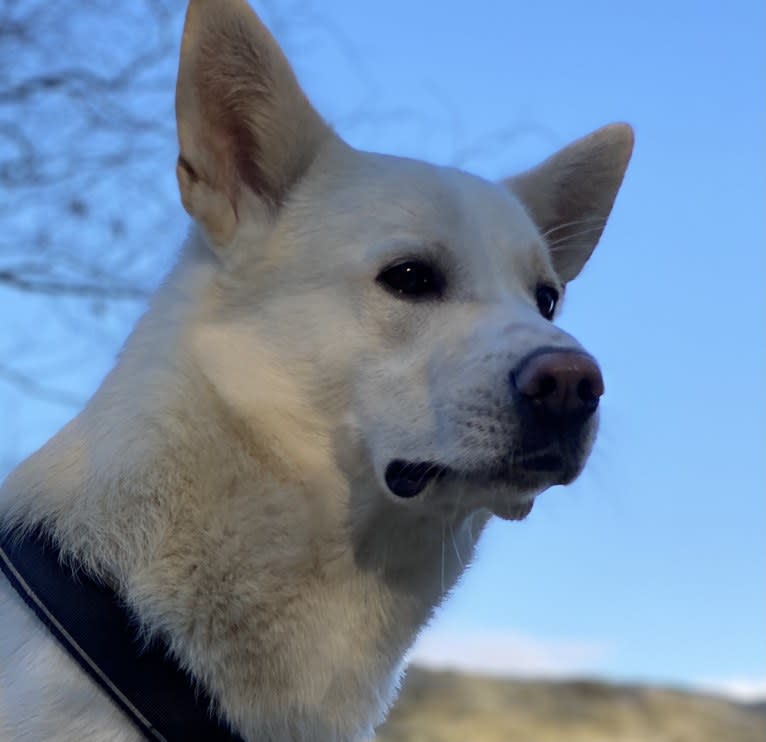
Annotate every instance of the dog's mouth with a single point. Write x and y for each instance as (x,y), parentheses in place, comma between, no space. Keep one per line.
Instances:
(409,478)
(534,471)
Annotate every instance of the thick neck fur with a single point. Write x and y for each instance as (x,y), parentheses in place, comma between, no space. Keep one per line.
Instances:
(283,586)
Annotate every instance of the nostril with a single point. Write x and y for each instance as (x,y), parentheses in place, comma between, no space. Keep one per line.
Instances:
(546,386)
(585,391)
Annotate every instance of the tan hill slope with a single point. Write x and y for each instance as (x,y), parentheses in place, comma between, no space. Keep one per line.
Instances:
(452,707)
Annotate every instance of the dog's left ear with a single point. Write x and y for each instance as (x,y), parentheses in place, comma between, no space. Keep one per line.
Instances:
(246,131)
(570,195)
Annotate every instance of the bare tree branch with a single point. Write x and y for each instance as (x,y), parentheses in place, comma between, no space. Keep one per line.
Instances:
(52,287)
(85,121)
(29,386)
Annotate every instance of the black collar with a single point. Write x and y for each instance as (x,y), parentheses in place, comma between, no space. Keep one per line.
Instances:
(91,623)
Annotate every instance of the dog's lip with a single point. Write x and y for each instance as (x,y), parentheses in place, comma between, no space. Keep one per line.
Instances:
(407,479)
(506,471)
(541,462)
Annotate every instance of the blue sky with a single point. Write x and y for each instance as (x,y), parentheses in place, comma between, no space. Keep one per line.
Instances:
(651,566)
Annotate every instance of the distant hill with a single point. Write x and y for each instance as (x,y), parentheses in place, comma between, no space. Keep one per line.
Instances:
(452,707)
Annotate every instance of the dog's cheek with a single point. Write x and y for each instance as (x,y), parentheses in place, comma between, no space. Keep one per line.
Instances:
(242,371)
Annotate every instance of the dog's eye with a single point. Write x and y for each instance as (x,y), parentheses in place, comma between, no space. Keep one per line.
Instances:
(412,279)
(546,297)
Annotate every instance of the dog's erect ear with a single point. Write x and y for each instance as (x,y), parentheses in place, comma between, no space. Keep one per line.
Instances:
(244,125)
(570,195)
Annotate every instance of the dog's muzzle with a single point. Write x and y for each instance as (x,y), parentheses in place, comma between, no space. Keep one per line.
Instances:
(555,392)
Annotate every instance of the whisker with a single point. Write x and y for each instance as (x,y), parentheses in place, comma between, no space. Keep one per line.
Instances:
(443,580)
(426,473)
(575,223)
(573,236)
(454,546)
(461,493)
(471,520)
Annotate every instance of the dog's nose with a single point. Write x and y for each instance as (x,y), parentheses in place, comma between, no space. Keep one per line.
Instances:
(559,384)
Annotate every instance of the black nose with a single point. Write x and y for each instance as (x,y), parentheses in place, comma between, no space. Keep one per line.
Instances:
(559,385)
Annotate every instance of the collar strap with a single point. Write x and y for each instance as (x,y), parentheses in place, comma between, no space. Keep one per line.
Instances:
(99,633)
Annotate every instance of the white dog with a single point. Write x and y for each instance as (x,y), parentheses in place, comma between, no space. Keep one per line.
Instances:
(349,370)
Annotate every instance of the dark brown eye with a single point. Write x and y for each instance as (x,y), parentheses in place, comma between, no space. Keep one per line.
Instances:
(546,297)
(412,279)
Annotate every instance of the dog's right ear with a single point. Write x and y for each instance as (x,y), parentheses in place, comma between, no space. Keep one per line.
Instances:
(246,130)
(570,195)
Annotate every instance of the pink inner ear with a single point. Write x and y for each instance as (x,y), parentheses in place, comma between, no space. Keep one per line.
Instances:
(243,121)
(232,81)
(570,195)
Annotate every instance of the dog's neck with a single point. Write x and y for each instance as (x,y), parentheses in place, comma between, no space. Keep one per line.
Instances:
(287,589)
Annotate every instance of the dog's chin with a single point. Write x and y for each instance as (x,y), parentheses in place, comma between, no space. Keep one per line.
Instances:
(507,491)
(512,509)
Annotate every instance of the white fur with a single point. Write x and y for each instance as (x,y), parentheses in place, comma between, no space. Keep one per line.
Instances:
(228,476)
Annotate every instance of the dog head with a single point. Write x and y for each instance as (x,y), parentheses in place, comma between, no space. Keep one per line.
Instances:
(409,308)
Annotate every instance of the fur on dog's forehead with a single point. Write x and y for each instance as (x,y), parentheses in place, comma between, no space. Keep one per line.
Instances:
(370,208)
